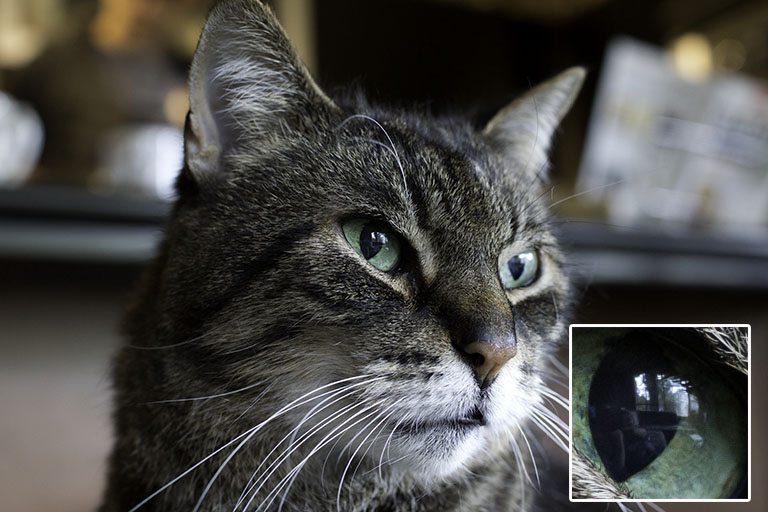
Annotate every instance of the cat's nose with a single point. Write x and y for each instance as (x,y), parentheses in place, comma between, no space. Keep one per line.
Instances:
(487,359)
(483,334)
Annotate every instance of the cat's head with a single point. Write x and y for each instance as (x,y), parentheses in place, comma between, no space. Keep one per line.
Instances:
(387,279)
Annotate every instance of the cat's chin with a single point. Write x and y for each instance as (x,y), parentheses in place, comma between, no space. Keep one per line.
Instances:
(434,451)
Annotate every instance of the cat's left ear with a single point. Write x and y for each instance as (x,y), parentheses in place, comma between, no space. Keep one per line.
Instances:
(246,84)
(522,131)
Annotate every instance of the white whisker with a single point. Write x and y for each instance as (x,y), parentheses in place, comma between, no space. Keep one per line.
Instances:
(334,398)
(253,488)
(386,447)
(533,459)
(275,491)
(195,398)
(583,192)
(291,449)
(557,436)
(248,433)
(391,143)
(351,458)
(380,427)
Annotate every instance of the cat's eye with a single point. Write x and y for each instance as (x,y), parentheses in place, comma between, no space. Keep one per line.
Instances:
(518,270)
(376,242)
(657,410)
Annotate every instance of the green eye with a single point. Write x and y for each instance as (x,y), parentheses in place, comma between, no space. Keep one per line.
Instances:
(518,270)
(657,410)
(374,241)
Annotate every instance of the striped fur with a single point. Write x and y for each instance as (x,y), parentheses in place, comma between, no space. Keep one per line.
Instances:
(262,347)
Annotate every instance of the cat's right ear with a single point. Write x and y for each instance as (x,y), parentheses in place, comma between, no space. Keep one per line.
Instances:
(522,131)
(246,83)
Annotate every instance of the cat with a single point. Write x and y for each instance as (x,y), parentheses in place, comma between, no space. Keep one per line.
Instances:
(718,354)
(353,308)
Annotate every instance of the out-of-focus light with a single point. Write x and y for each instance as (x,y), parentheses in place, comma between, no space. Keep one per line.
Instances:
(175,106)
(691,55)
(730,55)
(21,40)
(21,140)
(19,45)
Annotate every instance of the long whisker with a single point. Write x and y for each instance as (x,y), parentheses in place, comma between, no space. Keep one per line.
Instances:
(179,344)
(583,192)
(533,459)
(386,447)
(254,401)
(388,461)
(254,486)
(521,467)
(334,398)
(219,395)
(391,143)
(319,446)
(190,469)
(221,468)
(552,416)
(379,426)
(275,491)
(352,457)
(291,449)
(555,397)
(559,435)
(552,432)
(292,405)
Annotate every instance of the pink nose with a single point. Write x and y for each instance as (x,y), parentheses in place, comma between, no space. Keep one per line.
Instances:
(487,359)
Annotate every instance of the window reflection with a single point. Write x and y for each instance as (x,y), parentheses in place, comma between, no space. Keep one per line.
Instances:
(635,407)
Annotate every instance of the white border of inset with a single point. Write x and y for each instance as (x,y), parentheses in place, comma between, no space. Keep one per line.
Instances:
(664,500)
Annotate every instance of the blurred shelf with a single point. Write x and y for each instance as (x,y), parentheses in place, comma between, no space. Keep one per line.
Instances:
(70,225)
(77,241)
(56,203)
(601,254)
(74,226)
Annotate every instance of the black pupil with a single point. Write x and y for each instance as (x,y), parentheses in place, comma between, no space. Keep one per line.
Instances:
(516,266)
(634,401)
(372,239)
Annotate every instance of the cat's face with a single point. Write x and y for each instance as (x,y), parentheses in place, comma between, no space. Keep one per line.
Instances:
(388,283)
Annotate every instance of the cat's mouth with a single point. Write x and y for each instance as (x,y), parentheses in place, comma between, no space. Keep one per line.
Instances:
(475,418)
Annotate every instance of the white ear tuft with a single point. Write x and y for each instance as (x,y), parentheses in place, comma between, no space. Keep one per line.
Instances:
(246,81)
(523,130)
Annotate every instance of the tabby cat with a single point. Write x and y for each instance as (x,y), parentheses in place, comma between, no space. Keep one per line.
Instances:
(353,308)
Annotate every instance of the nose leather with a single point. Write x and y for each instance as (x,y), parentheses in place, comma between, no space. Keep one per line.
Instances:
(481,328)
(494,357)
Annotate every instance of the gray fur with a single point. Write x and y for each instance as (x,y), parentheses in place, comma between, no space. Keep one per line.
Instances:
(256,300)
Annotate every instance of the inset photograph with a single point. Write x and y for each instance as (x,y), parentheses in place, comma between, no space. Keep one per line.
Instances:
(659,412)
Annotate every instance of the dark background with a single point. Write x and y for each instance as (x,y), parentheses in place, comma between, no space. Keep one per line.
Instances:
(69,257)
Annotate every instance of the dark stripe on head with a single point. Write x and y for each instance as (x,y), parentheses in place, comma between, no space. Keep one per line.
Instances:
(412,358)
(216,365)
(353,311)
(419,201)
(249,272)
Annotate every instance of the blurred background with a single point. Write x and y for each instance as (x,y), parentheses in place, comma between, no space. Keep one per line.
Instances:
(660,174)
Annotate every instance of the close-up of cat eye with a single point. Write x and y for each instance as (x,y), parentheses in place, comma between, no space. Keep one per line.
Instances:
(376,242)
(655,409)
(518,270)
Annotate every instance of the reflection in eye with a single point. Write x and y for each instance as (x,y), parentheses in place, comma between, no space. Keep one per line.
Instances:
(657,410)
(635,407)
